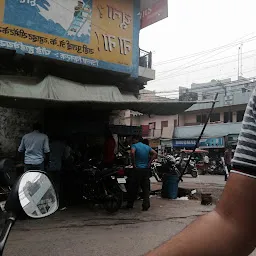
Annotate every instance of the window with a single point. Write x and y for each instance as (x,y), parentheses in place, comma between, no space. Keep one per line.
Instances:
(152,126)
(201,119)
(228,117)
(175,123)
(164,124)
(240,115)
(204,118)
(215,117)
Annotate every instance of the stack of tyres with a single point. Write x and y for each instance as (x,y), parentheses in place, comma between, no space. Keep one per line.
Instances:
(170,186)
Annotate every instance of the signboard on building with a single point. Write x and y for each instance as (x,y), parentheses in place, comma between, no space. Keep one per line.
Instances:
(184,143)
(145,130)
(153,11)
(212,143)
(103,34)
(232,139)
(204,143)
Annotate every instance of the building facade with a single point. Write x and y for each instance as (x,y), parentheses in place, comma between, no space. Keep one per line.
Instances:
(87,42)
(226,120)
(158,129)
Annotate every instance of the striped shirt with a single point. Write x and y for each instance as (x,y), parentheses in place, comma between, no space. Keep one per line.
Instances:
(244,161)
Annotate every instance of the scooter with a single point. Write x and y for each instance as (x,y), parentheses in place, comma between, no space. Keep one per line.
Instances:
(33,195)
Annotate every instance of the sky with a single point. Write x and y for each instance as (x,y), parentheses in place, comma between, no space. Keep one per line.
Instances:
(215,27)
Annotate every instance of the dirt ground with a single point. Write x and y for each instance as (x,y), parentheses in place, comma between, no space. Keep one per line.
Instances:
(79,231)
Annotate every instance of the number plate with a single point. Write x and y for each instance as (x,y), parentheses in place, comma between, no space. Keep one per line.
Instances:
(121,180)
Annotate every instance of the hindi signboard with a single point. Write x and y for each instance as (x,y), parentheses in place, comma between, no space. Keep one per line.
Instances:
(103,34)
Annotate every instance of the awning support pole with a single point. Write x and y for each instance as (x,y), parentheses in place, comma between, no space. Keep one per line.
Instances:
(200,136)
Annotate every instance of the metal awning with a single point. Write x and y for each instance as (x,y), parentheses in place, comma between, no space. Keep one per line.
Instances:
(24,92)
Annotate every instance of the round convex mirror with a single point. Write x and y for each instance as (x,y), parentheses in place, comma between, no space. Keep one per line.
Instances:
(37,195)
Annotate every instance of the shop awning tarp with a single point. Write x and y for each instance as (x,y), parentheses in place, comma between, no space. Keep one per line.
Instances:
(30,92)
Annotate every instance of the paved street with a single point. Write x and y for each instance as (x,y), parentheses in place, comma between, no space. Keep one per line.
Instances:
(79,231)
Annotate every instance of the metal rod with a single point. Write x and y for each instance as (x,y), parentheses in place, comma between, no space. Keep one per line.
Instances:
(200,136)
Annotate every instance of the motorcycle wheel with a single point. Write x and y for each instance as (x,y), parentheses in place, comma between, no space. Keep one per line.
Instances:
(112,204)
(194,173)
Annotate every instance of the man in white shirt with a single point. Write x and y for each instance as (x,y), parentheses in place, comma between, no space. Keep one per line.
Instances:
(36,150)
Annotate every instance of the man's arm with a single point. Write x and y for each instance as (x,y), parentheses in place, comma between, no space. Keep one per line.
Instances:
(21,151)
(153,156)
(46,151)
(133,152)
(231,228)
(228,230)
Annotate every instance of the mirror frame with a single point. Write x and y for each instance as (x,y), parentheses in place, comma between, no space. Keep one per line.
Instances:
(13,204)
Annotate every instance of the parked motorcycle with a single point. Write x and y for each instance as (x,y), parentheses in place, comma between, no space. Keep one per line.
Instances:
(8,177)
(167,165)
(32,195)
(102,186)
(154,171)
(191,168)
(216,168)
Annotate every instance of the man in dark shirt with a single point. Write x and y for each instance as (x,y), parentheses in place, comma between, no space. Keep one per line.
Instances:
(109,149)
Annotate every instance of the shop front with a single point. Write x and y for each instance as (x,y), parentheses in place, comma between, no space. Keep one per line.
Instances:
(78,113)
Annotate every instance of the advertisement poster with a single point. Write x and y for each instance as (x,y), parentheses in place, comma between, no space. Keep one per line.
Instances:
(96,33)
(153,11)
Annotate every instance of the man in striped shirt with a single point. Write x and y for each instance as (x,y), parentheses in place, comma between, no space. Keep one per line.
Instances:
(229,230)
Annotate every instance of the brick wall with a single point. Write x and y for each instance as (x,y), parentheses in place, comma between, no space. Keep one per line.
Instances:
(14,123)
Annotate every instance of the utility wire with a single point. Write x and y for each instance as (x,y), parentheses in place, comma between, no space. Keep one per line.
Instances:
(197,70)
(235,83)
(193,64)
(200,53)
(233,55)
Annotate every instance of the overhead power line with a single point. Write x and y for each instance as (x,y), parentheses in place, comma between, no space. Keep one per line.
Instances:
(233,55)
(201,53)
(240,81)
(193,64)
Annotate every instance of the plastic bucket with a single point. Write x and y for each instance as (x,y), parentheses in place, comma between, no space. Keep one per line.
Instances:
(170,186)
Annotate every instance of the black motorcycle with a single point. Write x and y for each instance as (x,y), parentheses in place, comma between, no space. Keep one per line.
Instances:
(101,186)
(8,177)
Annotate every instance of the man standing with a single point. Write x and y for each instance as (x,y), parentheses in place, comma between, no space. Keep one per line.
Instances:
(57,147)
(36,150)
(109,149)
(142,156)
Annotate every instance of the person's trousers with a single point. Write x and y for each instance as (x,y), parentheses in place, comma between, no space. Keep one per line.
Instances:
(34,167)
(56,180)
(139,178)
(229,169)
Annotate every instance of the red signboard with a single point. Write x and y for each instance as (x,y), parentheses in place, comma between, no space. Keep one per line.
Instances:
(145,130)
(153,11)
